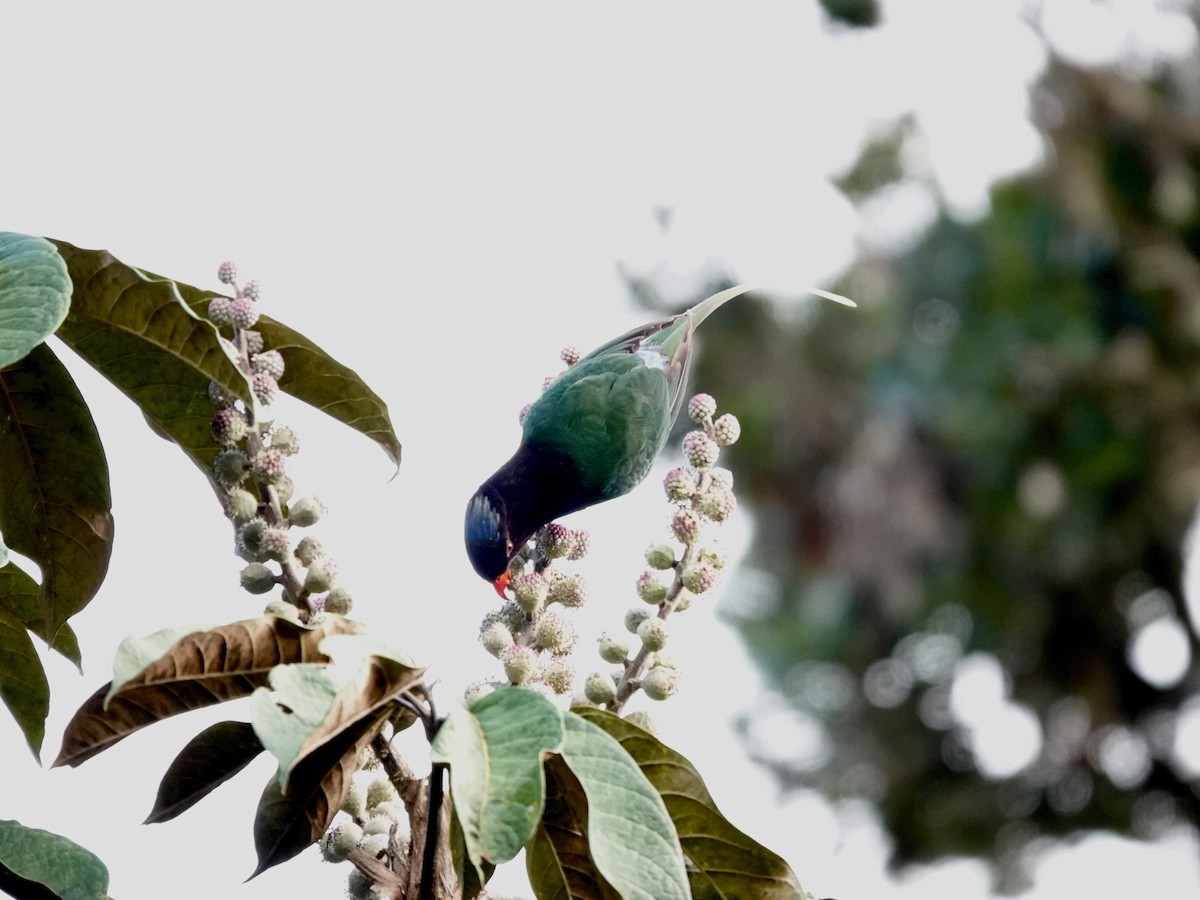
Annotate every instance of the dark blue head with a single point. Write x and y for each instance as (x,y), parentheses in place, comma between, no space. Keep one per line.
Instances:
(488,543)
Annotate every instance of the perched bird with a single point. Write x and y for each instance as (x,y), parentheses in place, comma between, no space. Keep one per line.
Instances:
(591,436)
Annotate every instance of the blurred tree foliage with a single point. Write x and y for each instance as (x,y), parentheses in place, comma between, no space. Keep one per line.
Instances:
(996,458)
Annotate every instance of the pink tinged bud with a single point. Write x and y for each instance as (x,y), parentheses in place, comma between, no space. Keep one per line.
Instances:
(220,311)
(254,342)
(679,485)
(699,578)
(242,312)
(653,633)
(567,590)
(275,542)
(518,663)
(650,589)
(555,633)
(286,441)
(228,426)
(523,413)
(556,541)
(264,386)
(727,429)
(685,525)
(269,465)
(701,408)
(269,361)
(530,589)
(227,272)
(569,355)
(580,540)
(660,683)
(251,289)
(699,449)
(560,675)
(719,477)
(718,504)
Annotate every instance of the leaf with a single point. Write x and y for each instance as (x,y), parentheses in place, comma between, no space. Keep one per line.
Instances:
(494,751)
(630,835)
(209,760)
(23,685)
(35,293)
(204,668)
(558,860)
(55,506)
(299,699)
(310,374)
(724,861)
(20,595)
(49,859)
(288,822)
(137,335)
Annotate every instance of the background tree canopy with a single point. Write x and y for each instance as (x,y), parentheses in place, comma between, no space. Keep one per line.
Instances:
(972,498)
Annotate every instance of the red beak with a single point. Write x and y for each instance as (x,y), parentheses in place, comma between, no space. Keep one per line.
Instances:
(500,584)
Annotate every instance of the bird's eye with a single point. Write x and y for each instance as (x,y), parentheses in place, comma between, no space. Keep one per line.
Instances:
(508,548)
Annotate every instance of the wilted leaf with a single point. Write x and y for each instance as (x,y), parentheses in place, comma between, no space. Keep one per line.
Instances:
(630,836)
(494,751)
(558,860)
(297,702)
(288,822)
(45,858)
(23,685)
(136,652)
(35,293)
(209,760)
(54,495)
(724,861)
(20,595)
(203,668)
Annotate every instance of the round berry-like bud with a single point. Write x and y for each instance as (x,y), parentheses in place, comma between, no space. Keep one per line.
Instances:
(560,675)
(549,380)
(320,575)
(339,602)
(227,272)
(653,633)
(377,824)
(660,556)
(265,387)
(257,578)
(650,589)
(251,289)
(269,465)
(555,633)
(250,540)
(683,600)
(242,505)
(727,429)
(568,590)
(555,540)
(530,590)
(242,312)
(496,638)
(511,614)
(284,488)
(269,361)
(220,311)
(636,617)
(374,844)
(698,578)
(599,688)
(612,649)
(523,413)
(307,550)
(355,803)
(478,690)
(701,408)
(394,812)
(230,468)
(275,542)
(580,540)
(254,342)
(380,791)
(685,525)
(306,512)
(569,355)
(339,841)
(720,478)
(699,449)
(679,485)
(286,441)
(518,663)
(219,395)
(228,426)
(718,504)
(642,720)
(659,683)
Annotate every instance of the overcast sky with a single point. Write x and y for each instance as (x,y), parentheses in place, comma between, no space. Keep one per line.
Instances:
(440,197)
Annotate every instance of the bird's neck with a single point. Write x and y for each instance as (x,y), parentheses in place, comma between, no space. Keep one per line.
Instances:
(539,484)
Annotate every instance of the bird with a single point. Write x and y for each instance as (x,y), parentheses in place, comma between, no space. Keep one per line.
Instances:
(592,435)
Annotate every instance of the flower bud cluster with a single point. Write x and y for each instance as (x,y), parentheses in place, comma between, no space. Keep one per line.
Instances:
(701,493)
(372,821)
(251,471)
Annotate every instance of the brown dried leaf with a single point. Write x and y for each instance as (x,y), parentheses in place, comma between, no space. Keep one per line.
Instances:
(203,668)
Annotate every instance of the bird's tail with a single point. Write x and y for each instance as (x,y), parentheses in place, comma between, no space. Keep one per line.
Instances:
(706,308)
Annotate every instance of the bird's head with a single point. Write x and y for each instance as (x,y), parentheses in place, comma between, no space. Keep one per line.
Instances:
(488,542)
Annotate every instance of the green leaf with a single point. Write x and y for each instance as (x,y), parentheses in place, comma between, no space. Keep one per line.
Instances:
(630,835)
(48,859)
(20,595)
(136,334)
(23,685)
(494,751)
(558,859)
(136,301)
(209,760)
(299,700)
(35,293)
(55,506)
(724,862)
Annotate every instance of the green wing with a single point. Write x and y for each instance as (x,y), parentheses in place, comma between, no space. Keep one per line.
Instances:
(611,413)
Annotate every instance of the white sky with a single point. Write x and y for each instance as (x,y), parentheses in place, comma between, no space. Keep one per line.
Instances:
(439,197)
